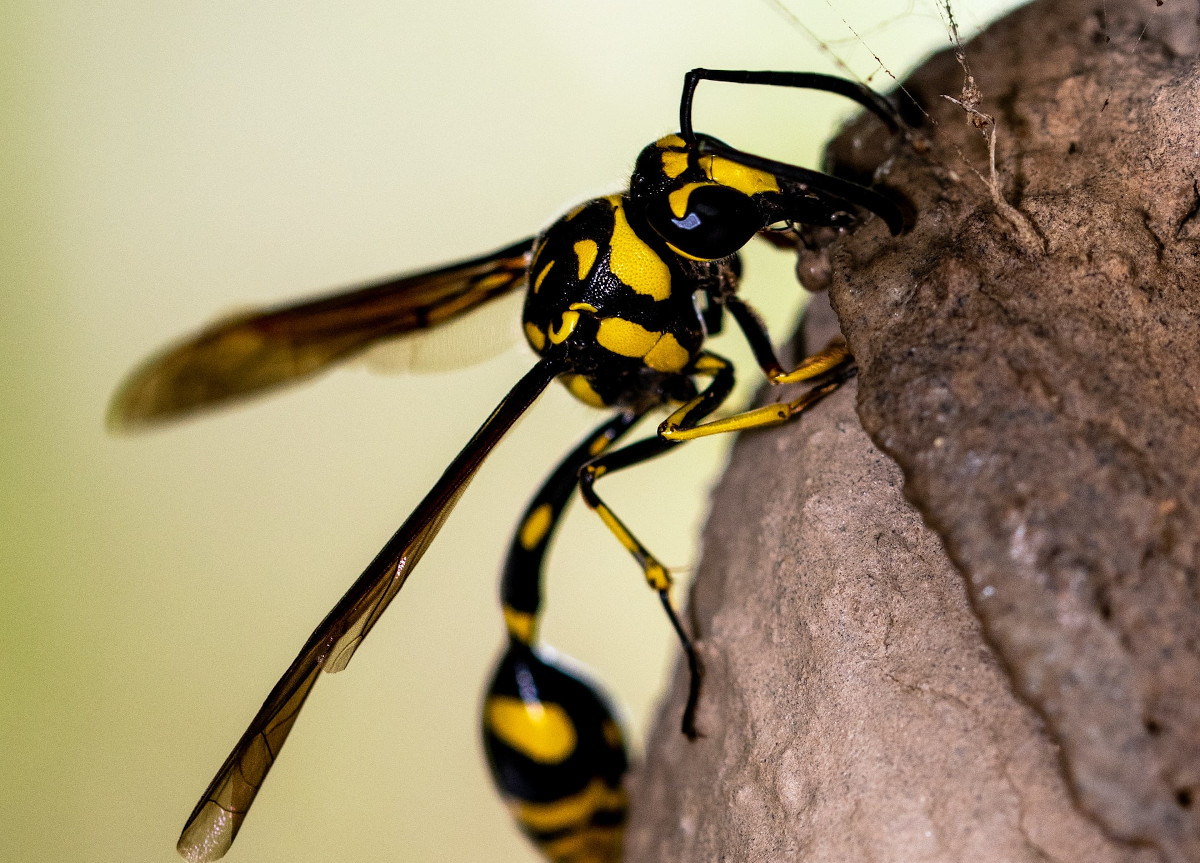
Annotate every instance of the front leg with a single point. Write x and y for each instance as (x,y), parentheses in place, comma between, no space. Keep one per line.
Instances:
(764,353)
(834,362)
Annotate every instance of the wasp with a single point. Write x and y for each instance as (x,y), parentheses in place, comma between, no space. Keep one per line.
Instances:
(621,294)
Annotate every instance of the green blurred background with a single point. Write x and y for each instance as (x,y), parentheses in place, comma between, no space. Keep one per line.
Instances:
(164,162)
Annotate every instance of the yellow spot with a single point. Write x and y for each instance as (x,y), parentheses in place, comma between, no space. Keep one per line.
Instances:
(745,180)
(533,529)
(565,327)
(537,283)
(572,811)
(671,140)
(626,338)
(582,307)
(536,338)
(520,625)
(633,262)
(674,163)
(612,734)
(542,732)
(599,445)
(667,356)
(581,388)
(585,250)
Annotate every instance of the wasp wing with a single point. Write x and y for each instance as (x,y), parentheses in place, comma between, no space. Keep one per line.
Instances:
(215,821)
(246,353)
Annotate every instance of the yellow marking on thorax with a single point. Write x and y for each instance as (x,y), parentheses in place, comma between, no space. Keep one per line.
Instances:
(575,810)
(671,140)
(625,337)
(582,307)
(535,337)
(581,388)
(542,732)
(533,529)
(541,277)
(667,356)
(521,625)
(746,180)
(585,250)
(632,261)
(660,351)
(570,319)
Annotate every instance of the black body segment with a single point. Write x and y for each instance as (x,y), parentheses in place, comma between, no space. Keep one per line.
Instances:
(554,747)
(521,581)
(621,294)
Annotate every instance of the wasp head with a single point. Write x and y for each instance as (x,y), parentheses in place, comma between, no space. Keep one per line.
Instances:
(706,199)
(703,205)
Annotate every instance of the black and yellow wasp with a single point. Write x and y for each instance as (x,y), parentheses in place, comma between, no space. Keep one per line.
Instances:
(621,293)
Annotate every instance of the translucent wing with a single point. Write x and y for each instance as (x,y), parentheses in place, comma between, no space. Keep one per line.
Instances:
(249,352)
(215,820)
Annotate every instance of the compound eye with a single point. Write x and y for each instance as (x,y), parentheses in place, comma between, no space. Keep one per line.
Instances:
(716,220)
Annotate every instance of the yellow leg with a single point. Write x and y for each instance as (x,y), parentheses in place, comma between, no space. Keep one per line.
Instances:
(834,359)
(685,424)
(818,364)
(764,354)
(656,574)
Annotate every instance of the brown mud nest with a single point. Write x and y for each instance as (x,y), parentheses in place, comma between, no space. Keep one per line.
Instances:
(972,632)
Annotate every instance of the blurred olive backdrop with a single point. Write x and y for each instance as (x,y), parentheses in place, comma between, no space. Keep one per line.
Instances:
(167,161)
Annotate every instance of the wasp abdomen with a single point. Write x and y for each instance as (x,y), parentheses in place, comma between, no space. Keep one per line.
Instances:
(557,756)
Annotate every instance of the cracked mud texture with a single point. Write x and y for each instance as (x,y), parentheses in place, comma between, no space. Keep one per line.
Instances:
(1035,374)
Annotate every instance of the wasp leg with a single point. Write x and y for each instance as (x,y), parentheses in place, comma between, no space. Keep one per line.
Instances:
(554,747)
(680,426)
(657,576)
(756,334)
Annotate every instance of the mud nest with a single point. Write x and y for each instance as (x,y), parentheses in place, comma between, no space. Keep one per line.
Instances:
(972,631)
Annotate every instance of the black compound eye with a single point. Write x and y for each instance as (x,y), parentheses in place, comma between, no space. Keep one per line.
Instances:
(716,222)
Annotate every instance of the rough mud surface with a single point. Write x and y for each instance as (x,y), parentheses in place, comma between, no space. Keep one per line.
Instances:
(1031,362)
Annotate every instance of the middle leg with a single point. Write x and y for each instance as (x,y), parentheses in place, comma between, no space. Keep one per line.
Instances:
(687,423)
